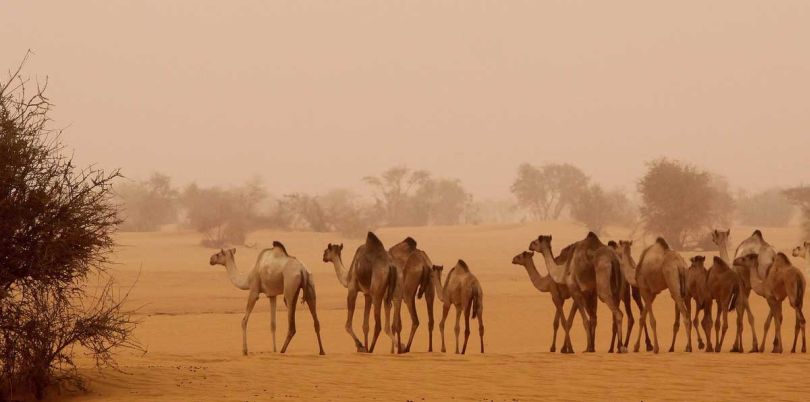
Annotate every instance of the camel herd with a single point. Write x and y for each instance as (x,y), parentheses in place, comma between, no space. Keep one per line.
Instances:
(587,271)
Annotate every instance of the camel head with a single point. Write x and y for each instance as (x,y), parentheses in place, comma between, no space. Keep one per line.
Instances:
(750,260)
(720,237)
(541,244)
(523,258)
(221,258)
(332,252)
(613,245)
(801,251)
(625,247)
(698,261)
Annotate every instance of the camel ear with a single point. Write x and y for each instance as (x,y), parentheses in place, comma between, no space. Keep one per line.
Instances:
(341,246)
(728,232)
(233,251)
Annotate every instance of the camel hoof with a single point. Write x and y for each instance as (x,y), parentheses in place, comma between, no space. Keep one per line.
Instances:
(804,350)
(650,348)
(672,349)
(701,345)
(755,350)
(635,349)
(689,349)
(655,349)
(322,353)
(362,349)
(709,349)
(622,349)
(553,349)
(244,353)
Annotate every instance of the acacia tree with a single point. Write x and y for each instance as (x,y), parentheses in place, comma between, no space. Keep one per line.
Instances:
(147,204)
(801,197)
(57,225)
(597,208)
(394,189)
(679,201)
(766,208)
(548,190)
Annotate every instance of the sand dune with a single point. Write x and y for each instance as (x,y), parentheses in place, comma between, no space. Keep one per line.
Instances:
(190,322)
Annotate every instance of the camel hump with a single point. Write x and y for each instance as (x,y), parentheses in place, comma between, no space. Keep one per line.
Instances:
(463,265)
(757,233)
(410,242)
(373,242)
(277,244)
(663,243)
(782,258)
(592,236)
(719,261)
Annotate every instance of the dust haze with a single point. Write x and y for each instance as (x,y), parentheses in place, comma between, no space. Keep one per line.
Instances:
(316,95)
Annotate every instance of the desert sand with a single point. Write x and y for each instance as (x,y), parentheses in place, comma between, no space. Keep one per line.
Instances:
(190,325)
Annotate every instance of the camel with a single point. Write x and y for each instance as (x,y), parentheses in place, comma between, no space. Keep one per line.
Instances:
(754,244)
(591,273)
(373,273)
(275,273)
(782,280)
(725,288)
(462,290)
(415,268)
(803,251)
(559,294)
(629,291)
(723,284)
(659,268)
(697,289)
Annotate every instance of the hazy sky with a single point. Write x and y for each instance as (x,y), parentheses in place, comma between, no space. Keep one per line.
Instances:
(315,95)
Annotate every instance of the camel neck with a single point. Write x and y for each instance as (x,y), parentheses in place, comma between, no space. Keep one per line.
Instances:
(756,283)
(540,282)
(557,272)
(723,249)
(237,278)
(340,271)
(436,280)
(628,267)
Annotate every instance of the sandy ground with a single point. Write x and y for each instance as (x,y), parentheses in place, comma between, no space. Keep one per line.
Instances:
(190,323)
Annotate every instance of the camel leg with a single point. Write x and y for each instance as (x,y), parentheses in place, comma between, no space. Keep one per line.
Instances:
(630,319)
(555,325)
(643,324)
(648,301)
(273,320)
(411,304)
(481,328)
(776,306)
(567,322)
(640,304)
(366,318)
(377,302)
(617,323)
(765,330)
(707,324)
(467,309)
(592,310)
(291,302)
(696,322)
(675,328)
(351,300)
(316,323)
(252,298)
(429,301)
(388,330)
(717,338)
(755,346)
(725,327)
(445,311)
(457,328)
(800,323)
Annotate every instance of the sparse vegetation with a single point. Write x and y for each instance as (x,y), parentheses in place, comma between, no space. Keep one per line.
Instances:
(769,208)
(56,234)
(147,204)
(546,192)
(801,197)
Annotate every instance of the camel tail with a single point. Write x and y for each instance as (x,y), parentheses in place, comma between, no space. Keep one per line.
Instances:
(423,285)
(477,301)
(682,282)
(800,284)
(392,284)
(616,279)
(308,286)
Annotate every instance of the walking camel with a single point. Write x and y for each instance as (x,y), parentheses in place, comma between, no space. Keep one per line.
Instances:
(782,280)
(559,294)
(275,273)
(591,273)
(697,289)
(629,291)
(462,290)
(659,268)
(727,289)
(415,267)
(373,273)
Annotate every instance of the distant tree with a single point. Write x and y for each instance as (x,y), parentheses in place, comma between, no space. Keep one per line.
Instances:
(441,202)
(547,191)
(393,191)
(338,210)
(223,216)
(679,201)
(596,208)
(769,208)
(148,204)
(801,197)
(56,231)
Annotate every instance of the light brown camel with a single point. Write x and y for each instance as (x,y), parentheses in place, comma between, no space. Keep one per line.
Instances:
(782,280)
(754,244)
(462,290)
(803,251)
(275,273)
(374,274)
(415,267)
(559,294)
(591,273)
(720,238)
(629,291)
(697,289)
(659,268)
